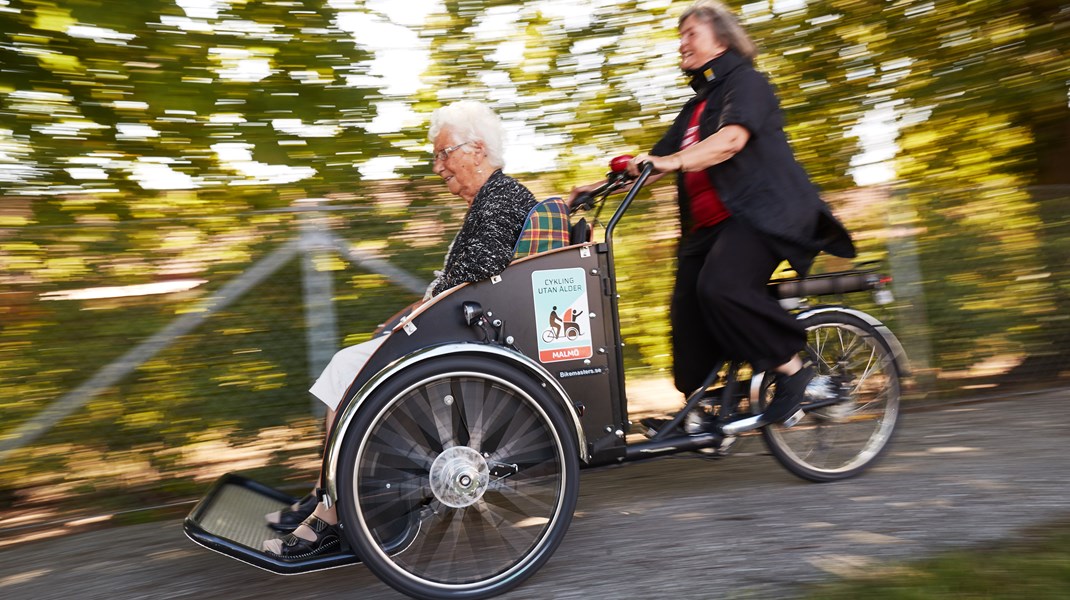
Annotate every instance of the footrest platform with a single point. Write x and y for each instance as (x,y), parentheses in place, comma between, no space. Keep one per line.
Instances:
(230,520)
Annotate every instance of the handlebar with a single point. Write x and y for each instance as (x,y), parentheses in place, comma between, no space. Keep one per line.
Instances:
(616,179)
(583,201)
(644,174)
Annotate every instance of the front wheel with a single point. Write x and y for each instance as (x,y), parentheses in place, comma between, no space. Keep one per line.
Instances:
(458,479)
(852,405)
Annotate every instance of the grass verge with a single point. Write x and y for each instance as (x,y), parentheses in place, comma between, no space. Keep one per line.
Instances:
(1035,565)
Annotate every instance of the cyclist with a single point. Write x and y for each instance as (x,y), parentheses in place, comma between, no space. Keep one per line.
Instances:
(745,205)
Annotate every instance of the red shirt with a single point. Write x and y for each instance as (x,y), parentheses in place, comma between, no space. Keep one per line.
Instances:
(705,205)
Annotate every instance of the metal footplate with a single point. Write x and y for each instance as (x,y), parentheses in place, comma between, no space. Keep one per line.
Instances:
(230,520)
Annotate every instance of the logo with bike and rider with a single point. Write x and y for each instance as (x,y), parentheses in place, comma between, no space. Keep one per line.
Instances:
(562,320)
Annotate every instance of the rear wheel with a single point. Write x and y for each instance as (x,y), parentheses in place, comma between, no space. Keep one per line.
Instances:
(458,479)
(852,404)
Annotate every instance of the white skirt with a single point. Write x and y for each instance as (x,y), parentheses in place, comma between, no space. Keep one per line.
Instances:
(342,370)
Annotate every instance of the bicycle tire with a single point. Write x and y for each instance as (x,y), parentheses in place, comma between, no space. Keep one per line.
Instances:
(477,460)
(851,358)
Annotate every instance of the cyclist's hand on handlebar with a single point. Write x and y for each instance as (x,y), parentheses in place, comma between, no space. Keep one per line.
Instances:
(662,164)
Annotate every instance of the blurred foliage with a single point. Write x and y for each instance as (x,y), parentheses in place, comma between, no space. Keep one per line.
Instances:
(160,140)
(268,102)
(238,381)
(111,105)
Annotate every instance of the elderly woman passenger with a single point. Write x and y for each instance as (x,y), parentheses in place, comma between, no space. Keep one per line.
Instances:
(468,141)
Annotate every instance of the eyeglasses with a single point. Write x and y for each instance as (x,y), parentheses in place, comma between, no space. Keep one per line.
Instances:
(444,153)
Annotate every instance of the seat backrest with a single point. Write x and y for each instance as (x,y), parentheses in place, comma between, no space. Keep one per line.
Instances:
(580,232)
(545,228)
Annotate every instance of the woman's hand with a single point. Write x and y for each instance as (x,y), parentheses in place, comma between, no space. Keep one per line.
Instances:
(662,164)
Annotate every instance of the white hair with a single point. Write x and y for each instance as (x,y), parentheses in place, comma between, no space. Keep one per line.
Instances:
(472,121)
(725,24)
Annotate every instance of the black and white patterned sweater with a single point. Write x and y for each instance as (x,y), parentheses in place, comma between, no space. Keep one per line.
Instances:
(484,245)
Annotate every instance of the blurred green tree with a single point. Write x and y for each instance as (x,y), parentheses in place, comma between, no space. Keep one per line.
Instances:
(982,115)
(241,102)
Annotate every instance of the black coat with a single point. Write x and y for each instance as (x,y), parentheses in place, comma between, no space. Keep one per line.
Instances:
(762,185)
(484,245)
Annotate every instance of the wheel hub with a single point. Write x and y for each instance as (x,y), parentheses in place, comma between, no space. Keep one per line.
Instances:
(459,476)
(825,388)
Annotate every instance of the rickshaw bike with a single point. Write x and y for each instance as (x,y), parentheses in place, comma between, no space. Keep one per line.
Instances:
(569,328)
(454,460)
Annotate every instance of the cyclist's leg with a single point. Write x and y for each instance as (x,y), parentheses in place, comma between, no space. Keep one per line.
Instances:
(748,320)
(736,305)
(694,348)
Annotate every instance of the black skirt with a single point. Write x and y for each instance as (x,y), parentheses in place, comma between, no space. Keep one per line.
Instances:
(722,308)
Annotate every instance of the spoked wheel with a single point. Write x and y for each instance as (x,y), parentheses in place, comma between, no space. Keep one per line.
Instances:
(852,404)
(458,479)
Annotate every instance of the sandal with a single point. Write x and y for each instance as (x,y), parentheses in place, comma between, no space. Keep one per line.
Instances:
(293,515)
(328,539)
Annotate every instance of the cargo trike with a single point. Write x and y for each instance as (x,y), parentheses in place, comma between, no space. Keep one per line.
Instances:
(455,457)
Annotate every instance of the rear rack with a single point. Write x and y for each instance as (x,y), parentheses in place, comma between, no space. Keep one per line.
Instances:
(825,284)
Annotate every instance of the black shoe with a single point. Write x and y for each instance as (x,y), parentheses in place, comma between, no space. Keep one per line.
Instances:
(788,396)
(292,516)
(328,539)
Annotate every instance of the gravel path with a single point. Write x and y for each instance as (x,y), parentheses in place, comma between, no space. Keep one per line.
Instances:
(676,527)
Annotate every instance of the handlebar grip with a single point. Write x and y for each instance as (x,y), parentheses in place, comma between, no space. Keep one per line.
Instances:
(620,163)
(584,201)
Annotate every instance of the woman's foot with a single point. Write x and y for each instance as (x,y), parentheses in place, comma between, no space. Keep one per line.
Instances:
(287,519)
(316,535)
(788,396)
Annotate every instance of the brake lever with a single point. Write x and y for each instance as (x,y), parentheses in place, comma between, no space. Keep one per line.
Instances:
(584,201)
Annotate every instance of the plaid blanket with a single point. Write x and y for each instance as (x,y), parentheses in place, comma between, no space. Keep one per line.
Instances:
(546,228)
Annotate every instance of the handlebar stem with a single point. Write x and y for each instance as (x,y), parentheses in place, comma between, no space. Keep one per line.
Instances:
(611,270)
(648,168)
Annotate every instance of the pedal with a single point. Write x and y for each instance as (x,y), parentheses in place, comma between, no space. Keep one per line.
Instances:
(724,448)
(651,425)
(794,419)
(696,422)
